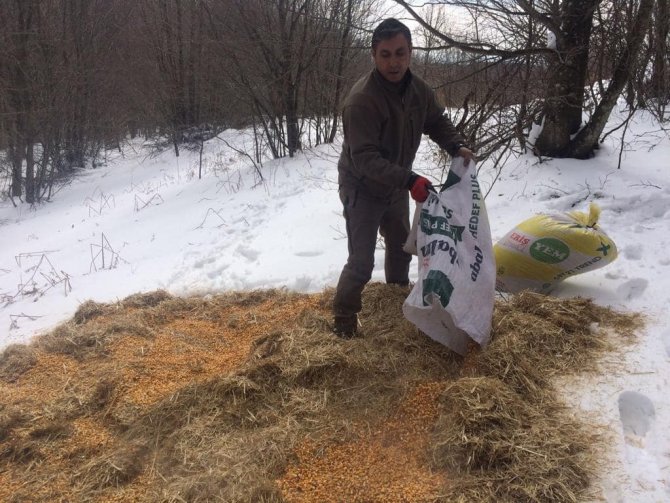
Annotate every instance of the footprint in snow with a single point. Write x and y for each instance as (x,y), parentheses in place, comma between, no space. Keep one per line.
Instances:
(199,264)
(657,208)
(632,289)
(633,252)
(637,414)
(216,273)
(614,274)
(308,253)
(249,253)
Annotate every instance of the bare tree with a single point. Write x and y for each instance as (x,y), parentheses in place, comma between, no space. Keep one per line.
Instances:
(17,68)
(586,139)
(660,77)
(56,75)
(173,33)
(559,34)
(351,13)
(278,49)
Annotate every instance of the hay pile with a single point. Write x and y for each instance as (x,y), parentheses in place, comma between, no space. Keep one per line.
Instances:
(248,397)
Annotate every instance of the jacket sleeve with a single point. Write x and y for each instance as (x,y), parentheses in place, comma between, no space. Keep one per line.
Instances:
(363,130)
(440,129)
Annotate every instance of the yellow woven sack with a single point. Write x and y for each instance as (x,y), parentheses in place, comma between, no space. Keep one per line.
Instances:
(545,249)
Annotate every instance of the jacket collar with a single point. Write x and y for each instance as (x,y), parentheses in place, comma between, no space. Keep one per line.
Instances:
(393,87)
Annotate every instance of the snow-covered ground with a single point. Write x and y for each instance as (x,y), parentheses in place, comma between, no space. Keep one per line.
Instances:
(142,223)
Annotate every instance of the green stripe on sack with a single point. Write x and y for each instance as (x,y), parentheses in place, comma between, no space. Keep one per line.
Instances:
(439,225)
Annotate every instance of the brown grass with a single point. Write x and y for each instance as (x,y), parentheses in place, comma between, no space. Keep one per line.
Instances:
(247,397)
(506,449)
(15,360)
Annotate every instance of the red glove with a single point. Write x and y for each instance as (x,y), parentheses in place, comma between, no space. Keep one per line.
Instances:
(419,187)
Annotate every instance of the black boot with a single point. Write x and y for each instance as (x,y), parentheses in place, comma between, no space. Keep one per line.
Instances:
(345,326)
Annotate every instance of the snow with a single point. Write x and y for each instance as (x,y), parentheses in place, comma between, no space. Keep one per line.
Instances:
(159,226)
(551,40)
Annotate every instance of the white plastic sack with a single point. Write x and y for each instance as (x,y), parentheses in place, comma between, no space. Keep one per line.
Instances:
(410,244)
(452,301)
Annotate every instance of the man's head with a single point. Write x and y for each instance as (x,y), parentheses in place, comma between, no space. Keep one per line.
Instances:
(392,49)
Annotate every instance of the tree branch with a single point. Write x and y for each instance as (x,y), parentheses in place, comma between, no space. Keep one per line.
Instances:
(480,48)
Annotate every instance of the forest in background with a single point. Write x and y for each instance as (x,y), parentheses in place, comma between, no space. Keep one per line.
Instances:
(78,77)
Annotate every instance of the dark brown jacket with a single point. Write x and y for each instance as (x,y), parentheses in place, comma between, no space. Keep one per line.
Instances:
(382,132)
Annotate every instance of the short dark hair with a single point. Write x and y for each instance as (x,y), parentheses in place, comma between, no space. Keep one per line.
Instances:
(389,28)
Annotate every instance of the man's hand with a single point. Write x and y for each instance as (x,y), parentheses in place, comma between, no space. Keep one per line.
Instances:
(419,187)
(467,154)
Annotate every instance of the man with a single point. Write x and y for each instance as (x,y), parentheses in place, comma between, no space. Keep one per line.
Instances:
(384,116)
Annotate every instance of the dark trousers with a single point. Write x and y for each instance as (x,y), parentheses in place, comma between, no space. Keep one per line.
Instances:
(364,217)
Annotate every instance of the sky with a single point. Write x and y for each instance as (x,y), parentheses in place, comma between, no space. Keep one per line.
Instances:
(143,222)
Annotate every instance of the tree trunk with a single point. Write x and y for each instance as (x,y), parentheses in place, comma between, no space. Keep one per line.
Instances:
(16,157)
(30,172)
(292,126)
(565,95)
(194,65)
(339,84)
(659,77)
(182,109)
(586,141)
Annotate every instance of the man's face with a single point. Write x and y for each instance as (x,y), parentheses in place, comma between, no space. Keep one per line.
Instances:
(392,57)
